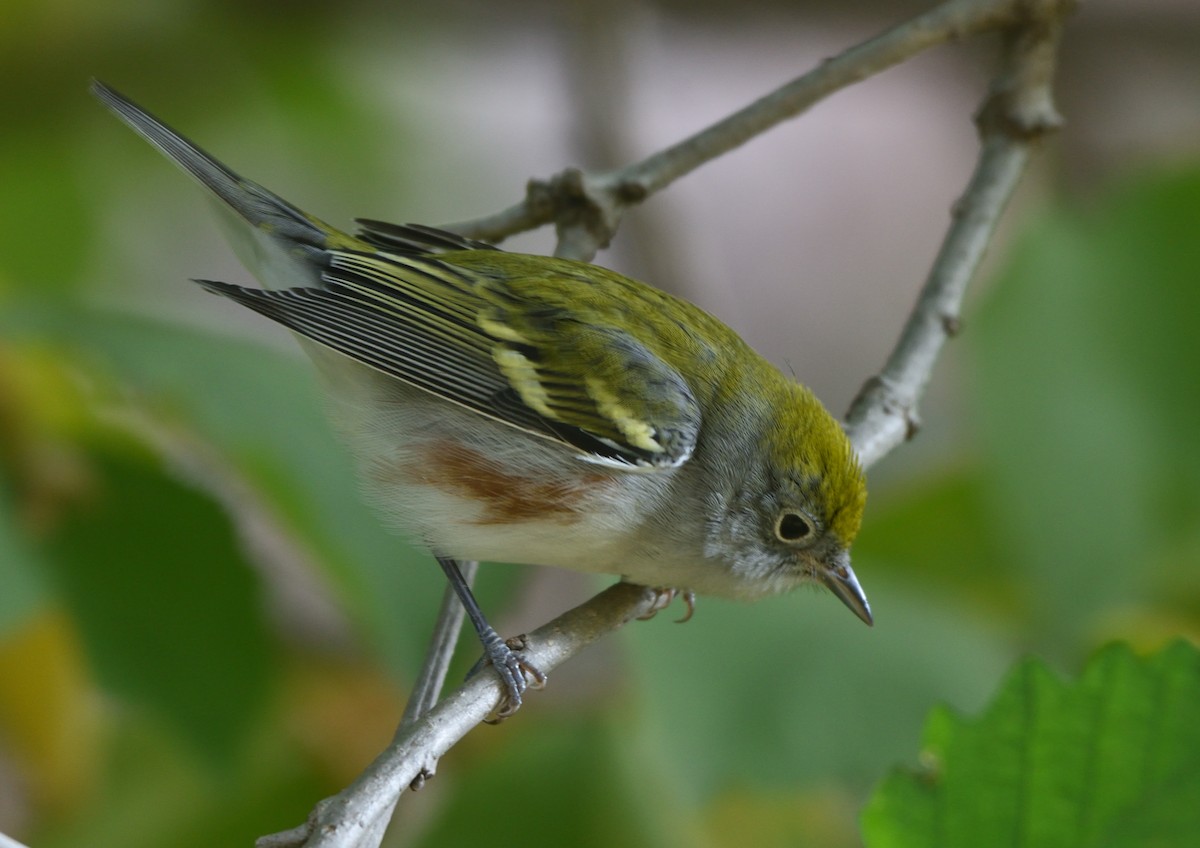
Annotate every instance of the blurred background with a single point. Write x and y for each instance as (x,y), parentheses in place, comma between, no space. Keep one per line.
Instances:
(202,629)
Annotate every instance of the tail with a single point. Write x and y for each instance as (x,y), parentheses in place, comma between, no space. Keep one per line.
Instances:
(281,245)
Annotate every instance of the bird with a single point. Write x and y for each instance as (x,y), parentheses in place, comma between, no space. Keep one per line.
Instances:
(531,409)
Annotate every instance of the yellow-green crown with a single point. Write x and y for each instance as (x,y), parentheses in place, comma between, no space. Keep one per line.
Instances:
(809,444)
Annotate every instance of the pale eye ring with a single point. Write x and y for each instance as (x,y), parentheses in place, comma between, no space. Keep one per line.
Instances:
(794,528)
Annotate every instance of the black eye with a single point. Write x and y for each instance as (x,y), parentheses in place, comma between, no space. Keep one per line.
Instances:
(793,527)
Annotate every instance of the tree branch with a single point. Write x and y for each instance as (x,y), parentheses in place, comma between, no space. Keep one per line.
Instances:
(9,842)
(441,651)
(587,208)
(342,807)
(344,820)
(1017,112)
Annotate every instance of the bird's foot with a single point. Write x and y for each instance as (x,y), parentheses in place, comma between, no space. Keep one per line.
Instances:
(516,673)
(663,595)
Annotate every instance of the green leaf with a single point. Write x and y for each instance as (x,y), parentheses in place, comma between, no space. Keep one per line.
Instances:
(1112,760)
(171,614)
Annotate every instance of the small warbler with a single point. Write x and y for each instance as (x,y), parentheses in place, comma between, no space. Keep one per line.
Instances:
(536,410)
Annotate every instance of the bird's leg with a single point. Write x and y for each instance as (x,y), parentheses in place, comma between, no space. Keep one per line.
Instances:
(509,664)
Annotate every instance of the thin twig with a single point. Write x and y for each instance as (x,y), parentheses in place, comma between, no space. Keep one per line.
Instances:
(947,22)
(586,208)
(1016,114)
(441,651)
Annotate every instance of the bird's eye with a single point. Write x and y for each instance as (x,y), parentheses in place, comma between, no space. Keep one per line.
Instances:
(793,527)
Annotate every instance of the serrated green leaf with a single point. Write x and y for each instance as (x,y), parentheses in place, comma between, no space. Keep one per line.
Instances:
(1112,759)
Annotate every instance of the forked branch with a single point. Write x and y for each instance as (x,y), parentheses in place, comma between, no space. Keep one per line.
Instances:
(586,209)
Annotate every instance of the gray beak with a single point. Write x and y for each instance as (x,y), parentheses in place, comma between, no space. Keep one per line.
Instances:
(840,580)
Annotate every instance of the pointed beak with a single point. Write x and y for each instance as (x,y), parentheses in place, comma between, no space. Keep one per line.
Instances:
(840,580)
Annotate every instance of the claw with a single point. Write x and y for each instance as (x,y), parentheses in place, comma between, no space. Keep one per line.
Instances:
(663,595)
(689,600)
(515,672)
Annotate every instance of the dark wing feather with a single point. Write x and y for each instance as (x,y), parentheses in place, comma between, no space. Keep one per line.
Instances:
(498,352)
(414,239)
(357,330)
(360,331)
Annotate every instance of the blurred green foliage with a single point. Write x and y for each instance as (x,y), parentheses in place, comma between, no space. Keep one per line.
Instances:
(187,642)
(150,692)
(1085,356)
